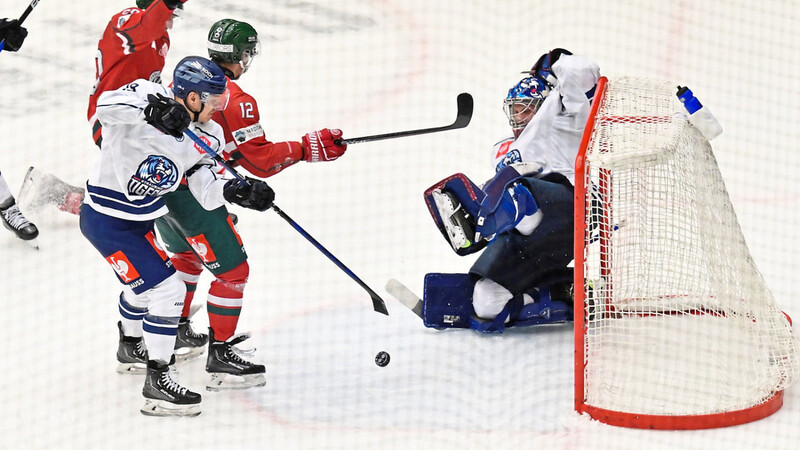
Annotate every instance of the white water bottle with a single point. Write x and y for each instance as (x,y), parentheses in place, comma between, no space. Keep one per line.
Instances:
(699,116)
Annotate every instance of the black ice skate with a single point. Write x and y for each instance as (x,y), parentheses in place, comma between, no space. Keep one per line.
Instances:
(188,344)
(164,396)
(459,225)
(14,220)
(131,354)
(227,367)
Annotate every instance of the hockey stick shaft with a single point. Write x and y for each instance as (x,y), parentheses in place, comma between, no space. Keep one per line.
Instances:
(21,19)
(465,106)
(377,302)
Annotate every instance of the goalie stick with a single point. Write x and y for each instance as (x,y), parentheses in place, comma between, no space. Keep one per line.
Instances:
(377,302)
(463,118)
(21,19)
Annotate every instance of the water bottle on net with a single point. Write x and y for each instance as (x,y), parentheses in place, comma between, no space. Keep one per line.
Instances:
(699,116)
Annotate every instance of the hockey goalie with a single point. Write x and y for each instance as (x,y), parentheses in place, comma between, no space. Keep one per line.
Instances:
(522,218)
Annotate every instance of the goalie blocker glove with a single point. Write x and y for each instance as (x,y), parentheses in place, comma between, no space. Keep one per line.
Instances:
(543,68)
(13,34)
(167,115)
(251,194)
(320,145)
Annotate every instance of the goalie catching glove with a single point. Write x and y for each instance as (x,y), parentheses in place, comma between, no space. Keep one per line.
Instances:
(251,194)
(167,115)
(320,146)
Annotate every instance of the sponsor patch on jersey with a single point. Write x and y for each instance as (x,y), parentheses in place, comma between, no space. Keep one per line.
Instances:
(503,148)
(122,265)
(201,246)
(511,157)
(197,146)
(154,175)
(243,135)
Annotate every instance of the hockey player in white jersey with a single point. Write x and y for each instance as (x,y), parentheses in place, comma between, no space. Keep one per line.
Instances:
(522,218)
(145,155)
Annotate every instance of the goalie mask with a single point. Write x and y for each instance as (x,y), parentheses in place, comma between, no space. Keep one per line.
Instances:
(523,101)
(234,42)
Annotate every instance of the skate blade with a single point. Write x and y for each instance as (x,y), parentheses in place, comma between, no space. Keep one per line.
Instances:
(132,368)
(162,408)
(33,243)
(229,382)
(188,353)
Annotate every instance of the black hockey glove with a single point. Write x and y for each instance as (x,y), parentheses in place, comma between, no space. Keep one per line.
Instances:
(167,115)
(544,65)
(13,33)
(253,194)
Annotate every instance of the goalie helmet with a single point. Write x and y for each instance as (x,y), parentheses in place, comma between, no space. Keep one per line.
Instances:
(234,42)
(523,101)
(200,75)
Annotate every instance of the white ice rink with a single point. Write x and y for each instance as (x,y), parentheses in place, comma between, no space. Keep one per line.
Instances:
(367,67)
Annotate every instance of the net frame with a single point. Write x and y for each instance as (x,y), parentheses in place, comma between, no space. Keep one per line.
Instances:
(673,307)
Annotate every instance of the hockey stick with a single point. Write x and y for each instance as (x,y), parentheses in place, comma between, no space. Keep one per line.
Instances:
(21,19)
(377,302)
(464,101)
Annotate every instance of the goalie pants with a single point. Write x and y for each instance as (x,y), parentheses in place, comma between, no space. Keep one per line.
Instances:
(519,263)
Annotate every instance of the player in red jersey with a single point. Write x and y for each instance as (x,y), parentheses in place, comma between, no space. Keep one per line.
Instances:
(199,238)
(134,45)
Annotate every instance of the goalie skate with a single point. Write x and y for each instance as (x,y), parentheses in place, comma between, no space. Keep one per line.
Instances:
(228,370)
(41,189)
(460,230)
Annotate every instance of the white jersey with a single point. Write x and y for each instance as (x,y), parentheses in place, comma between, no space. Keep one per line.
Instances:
(551,140)
(138,163)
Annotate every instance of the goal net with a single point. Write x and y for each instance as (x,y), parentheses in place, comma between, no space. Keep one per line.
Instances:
(679,329)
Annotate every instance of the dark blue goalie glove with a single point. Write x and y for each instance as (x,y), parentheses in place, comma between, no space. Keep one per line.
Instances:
(544,65)
(500,215)
(252,194)
(13,34)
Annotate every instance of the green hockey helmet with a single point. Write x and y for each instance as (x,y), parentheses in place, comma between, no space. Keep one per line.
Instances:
(232,41)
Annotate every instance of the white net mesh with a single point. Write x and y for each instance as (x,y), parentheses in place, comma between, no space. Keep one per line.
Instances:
(679,319)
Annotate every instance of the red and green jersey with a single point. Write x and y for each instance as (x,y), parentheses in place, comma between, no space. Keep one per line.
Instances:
(246,143)
(134,45)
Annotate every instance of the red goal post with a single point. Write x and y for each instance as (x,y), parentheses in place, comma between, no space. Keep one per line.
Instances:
(674,325)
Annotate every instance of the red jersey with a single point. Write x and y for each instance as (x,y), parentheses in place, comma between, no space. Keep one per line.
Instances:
(134,45)
(245,142)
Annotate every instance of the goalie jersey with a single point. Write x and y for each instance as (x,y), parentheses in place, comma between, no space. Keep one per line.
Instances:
(551,140)
(139,163)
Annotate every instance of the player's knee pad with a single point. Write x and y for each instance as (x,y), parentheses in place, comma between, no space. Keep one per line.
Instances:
(489,298)
(446,300)
(454,203)
(236,278)
(166,298)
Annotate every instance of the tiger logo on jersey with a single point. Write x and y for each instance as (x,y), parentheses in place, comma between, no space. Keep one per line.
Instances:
(155,175)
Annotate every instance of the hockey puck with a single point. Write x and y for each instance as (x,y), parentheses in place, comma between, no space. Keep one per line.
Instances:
(382,359)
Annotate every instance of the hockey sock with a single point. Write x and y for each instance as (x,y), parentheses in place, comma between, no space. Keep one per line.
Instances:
(189,269)
(225,301)
(131,317)
(159,336)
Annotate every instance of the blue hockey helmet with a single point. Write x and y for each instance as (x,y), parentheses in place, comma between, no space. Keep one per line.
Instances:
(200,75)
(523,101)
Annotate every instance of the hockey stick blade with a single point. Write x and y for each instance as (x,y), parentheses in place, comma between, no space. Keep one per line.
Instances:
(465,106)
(404,295)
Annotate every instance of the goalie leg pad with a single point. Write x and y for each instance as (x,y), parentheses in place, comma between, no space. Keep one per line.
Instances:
(447,300)
(454,203)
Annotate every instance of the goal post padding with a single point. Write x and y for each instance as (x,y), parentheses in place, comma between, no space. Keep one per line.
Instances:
(675,327)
